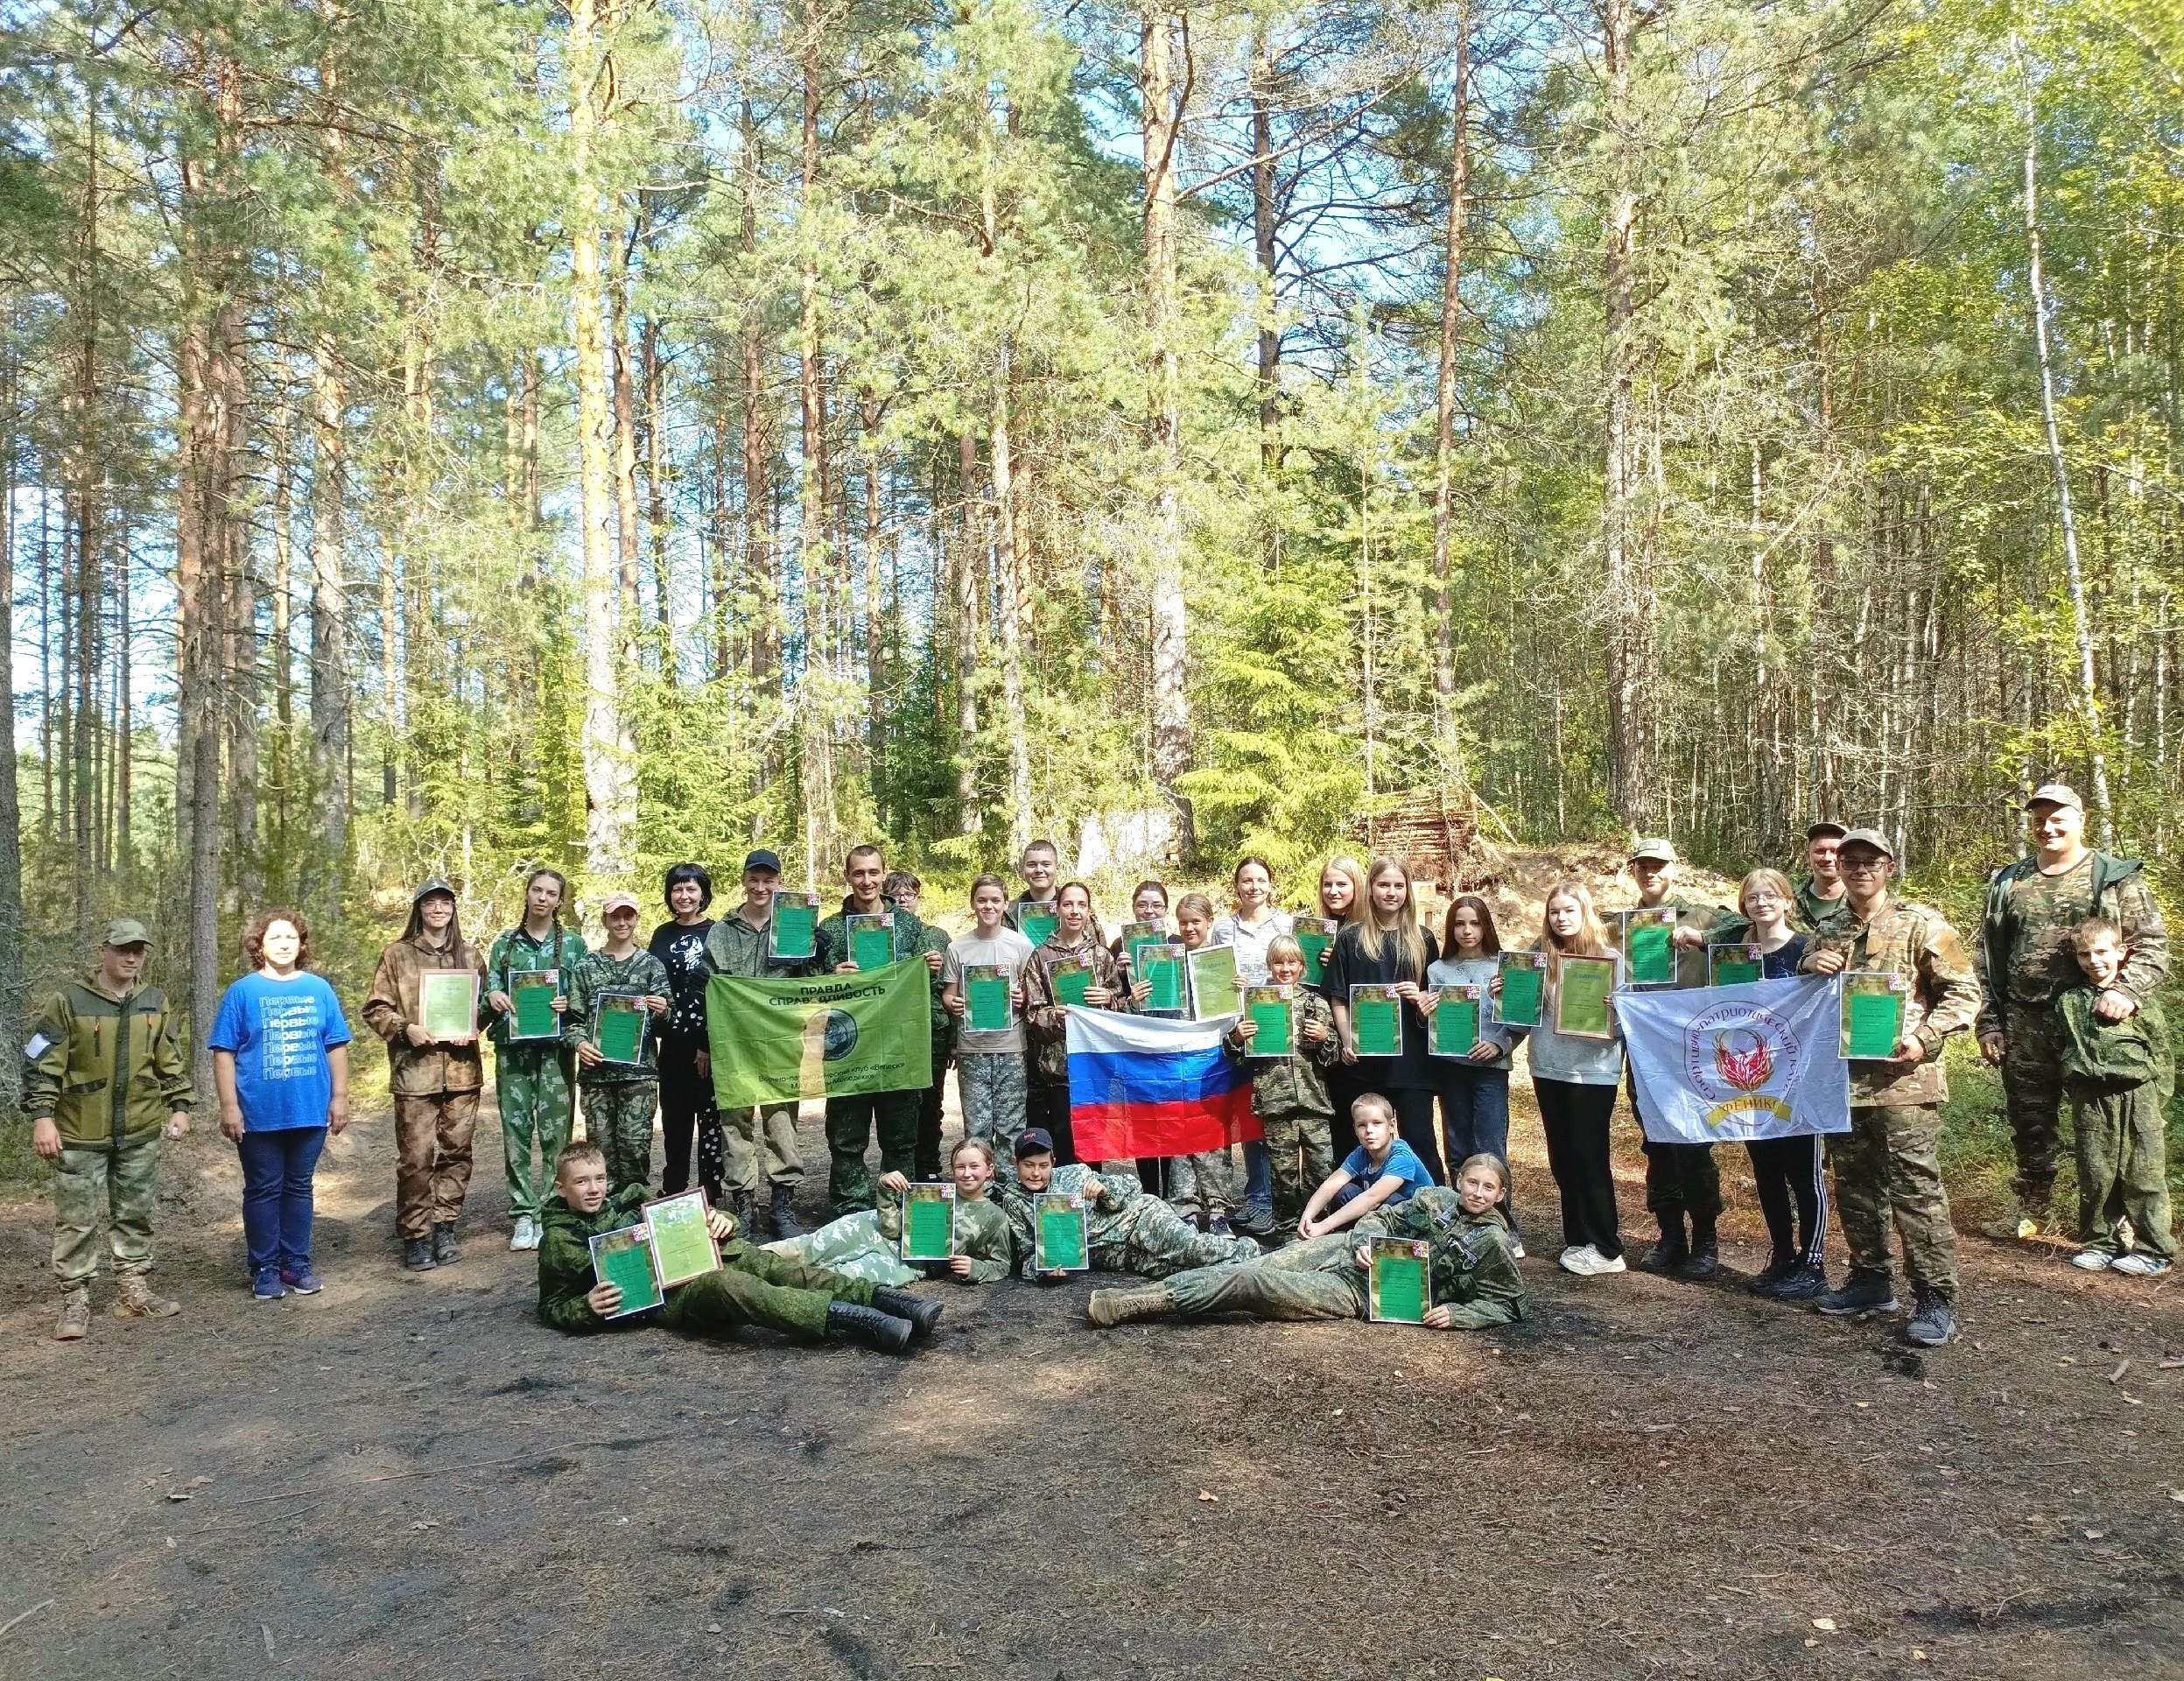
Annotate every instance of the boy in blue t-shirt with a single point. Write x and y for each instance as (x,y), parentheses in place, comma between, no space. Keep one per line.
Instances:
(1382,1171)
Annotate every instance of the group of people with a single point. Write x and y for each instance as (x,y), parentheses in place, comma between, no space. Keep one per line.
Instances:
(2062,990)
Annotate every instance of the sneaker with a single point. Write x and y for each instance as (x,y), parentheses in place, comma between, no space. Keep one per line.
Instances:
(1516,1247)
(1772,1278)
(416,1254)
(2093,1260)
(1705,1260)
(1602,1263)
(526,1235)
(1861,1292)
(1218,1227)
(1588,1263)
(268,1286)
(302,1280)
(1804,1284)
(1932,1323)
(1568,1252)
(1255,1221)
(2140,1264)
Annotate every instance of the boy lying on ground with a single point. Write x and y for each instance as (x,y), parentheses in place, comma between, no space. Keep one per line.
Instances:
(751,1287)
(1126,1229)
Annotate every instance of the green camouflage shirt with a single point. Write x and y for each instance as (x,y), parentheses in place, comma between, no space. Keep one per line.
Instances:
(1296,1084)
(1814,912)
(517,953)
(1915,939)
(640,973)
(2024,953)
(985,1234)
(1469,1265)
(913,938)
(2101,1057)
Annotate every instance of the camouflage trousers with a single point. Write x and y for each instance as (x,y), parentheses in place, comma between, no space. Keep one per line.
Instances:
(123,1185)
(850,1123)
(758,1287)
(1316,1280)
(992,1086)
(759,1144)
(1299,1154)
(1153,1241)
(2031,1095)
(618,1118)
(1206,1181)
(1889,1167)
(2123,1171)
(431,1175)
(538,1110)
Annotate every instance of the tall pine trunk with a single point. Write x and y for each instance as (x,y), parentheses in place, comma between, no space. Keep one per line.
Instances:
(1445,403)
(1171,627)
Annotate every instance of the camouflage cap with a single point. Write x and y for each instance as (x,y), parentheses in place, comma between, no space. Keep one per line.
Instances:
(2055,793)
(1653,848)
(126,930)
(429,886)
(1826,826)
(1872,838)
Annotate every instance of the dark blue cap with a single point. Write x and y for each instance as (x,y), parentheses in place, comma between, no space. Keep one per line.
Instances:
(1034,1141)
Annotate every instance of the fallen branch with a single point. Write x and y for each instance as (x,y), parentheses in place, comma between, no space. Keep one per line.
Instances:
(23,1616)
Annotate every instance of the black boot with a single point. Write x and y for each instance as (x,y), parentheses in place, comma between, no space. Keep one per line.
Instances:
(868,1326)
(784,1218)
(445,1249)
(1706,1258)
(923,1315)
(1672,1251)
(417,1254)
(742,1210)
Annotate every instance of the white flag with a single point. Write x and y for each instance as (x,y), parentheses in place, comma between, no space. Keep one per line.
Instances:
(1720,1064)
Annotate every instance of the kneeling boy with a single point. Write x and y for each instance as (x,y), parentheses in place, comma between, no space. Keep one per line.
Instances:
(1127,1229)
(752,1286)
(1474,1281)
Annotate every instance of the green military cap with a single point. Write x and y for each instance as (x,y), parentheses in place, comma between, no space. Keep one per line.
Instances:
(1826,826)
(1653,848)
(429,886)
(126,930)
(1872,838)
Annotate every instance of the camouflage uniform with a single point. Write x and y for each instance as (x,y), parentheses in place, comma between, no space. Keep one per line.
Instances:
(618,1098)
(1684,1178)
(755,1139)
(2026,962)
(1288,1094)
(2118,1076)
(1814,912)
(107,1069)
(752,1286)
(1470,1269)
(434,1087)
(1890,1164)
(852,1120)
(532,1080)
(867,1244)
(1126,1229)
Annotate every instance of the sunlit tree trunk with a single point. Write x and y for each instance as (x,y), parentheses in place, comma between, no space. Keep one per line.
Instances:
(1170,628)
(1444,403)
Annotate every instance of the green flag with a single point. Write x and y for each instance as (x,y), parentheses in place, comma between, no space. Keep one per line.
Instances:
(775,1041)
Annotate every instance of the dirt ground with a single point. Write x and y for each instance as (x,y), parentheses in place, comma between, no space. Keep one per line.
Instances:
(408,1477)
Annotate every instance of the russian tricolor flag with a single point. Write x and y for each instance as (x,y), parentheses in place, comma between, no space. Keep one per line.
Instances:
(1143,1085)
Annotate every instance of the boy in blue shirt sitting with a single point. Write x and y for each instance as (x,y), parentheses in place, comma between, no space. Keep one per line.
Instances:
(1381,1171)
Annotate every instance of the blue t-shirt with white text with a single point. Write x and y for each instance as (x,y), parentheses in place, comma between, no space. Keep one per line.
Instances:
(279,1032)
(1402,1161)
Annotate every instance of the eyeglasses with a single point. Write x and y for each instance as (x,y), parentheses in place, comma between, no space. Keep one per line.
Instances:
(1864,866)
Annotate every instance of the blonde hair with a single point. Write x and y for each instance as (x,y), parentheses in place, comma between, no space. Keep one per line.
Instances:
(1371,1102)
(1486,1158)
(582,1150)
(1195,904)
(1349,867)
(1282,948)
(979,1145)
(1591,938)
(1410,940)
(1772,879)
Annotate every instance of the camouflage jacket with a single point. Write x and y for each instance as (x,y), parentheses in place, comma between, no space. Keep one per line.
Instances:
(397,999)
(1814,912)
(1721,925)
(2100,1056)
(1108,1217)
(913,938)
(1296,1084)
(565,1258)
(1046,1017)
(985,1235)
(734,946)
(640,973)
(1915,939)
(106,1069)
(1471,1267)
(2024,955)
(515,952)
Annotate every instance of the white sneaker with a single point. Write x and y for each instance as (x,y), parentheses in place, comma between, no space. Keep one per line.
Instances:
(1568,1260)
(2093,1260)
(2140,1264)
(1601,1263)
(526,1234)
(1516,1249)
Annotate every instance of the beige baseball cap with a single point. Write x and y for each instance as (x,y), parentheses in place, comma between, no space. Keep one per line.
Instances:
(614,901)
(1656,848)
(2055,793)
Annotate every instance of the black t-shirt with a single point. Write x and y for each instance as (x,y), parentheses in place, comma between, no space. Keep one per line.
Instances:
(683,950)
(1348,966)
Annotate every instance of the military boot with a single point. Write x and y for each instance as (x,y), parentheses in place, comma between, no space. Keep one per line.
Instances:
(1861,1292)
(1108,1308)
(783,1217)
(742,1212)
(136,1301)
(75,1314)
(1671,1251)
(445,1249)
(870,1326)
(923,1316)
(1705,1259)
(1933,1322)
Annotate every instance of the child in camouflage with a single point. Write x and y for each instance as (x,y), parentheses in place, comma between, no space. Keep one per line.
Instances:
(867,1244)
(619,1097)
(1289,1093)
(1204,1184)
(750,1287)
(1126,1229)
(1474,1281)
(2118,1076)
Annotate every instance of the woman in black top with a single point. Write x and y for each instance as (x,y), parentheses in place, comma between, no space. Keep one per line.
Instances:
(1384,945)
(685,1057)
(1788,1173)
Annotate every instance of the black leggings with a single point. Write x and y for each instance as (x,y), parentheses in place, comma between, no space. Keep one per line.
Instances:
(1788,1171)
(1575,1119)
(1049,1107)
(686,1108)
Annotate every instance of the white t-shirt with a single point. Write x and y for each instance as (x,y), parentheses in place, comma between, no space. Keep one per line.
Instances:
(1251,941)
(970,951)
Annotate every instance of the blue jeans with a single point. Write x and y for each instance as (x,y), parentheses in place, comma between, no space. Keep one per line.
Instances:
(1258,1176)
(276,1170)
(1475,1116)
